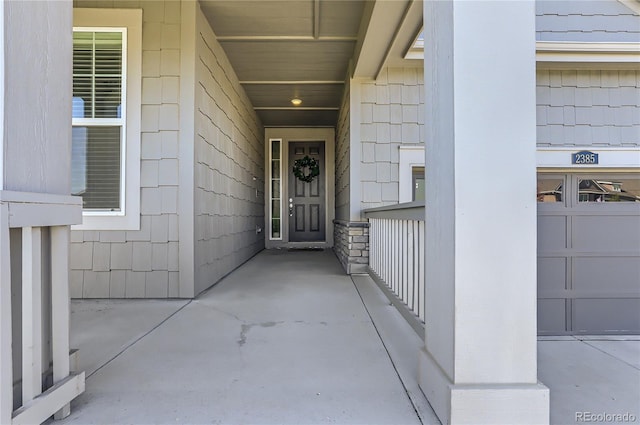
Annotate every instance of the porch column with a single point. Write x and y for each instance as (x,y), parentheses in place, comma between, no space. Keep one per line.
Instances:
(479,362)
(6,366)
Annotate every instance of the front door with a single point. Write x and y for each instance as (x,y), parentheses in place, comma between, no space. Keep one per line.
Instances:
(306,198)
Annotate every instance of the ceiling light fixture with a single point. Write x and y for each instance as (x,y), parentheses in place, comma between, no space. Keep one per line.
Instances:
(296,102)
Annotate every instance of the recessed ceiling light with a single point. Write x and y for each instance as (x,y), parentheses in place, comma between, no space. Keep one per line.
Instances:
(296,102)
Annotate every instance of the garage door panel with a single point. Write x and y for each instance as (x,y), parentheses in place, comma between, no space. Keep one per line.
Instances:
(607,274)
(552,233)
(595,315)
(606,233)
(551,315)
(552,274)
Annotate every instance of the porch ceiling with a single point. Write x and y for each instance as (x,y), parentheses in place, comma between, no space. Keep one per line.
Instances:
(286,49)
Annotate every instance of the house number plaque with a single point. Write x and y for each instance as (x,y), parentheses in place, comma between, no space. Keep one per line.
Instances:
(584,157)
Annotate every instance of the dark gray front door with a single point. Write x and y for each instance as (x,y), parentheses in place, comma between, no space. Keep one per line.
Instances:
(306,202)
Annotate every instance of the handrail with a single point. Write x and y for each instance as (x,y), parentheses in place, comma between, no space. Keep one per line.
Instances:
(404,211)
(396,257)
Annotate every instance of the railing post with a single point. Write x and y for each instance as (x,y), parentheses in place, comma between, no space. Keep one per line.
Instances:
(421,271)
(31,313)
(6,361)
(60,307)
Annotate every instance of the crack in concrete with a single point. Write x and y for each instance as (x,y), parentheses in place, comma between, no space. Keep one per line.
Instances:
(245,328)
(226,313)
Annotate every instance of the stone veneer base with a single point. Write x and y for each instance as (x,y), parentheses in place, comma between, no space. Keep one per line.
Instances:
(351,245)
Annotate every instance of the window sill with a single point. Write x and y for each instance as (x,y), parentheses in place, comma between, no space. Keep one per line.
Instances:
(129,221)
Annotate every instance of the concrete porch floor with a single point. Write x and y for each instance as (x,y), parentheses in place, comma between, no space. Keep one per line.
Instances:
(288,338)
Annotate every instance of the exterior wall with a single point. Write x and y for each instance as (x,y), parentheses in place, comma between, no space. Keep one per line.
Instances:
(389,112)
(143,263)
(343,184)
(229,167)
(343,139)
(586,21)
(392,113)
(588,107)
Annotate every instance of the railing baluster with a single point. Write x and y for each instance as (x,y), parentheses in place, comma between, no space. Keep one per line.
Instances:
(373,250)
(405,261)
(6,372)
(421,294)
(410,236)
(378,248)
(31,313)
(394,254)
(60,307)
(396,240)
(387,265)
(416,266)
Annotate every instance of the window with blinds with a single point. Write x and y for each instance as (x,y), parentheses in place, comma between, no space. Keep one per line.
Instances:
(98,118)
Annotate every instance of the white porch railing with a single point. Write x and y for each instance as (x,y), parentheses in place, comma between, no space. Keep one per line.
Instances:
(396,257)
(41,261)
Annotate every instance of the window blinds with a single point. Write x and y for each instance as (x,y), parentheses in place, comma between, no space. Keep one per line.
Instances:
(97,144)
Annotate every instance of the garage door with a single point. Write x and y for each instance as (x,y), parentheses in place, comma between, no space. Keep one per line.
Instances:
(588,253)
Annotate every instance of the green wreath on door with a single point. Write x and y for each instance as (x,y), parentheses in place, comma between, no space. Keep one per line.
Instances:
(303,164)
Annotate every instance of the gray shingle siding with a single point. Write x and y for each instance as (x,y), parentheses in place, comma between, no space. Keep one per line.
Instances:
(343,139)
(99,263)
(588,108)
(392,114)
(586,21)
(229,154)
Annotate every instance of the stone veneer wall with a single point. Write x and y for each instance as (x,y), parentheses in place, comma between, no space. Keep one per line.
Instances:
(229,161)
(143,263)
(351,245)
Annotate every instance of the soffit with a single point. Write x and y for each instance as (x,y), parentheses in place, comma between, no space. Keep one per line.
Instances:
(285,49)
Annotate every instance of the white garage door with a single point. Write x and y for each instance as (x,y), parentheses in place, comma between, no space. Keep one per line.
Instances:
(588,253)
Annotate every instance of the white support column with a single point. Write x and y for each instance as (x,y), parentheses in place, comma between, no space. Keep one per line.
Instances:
(31,313)
(6,371)
(60,309)
(479,364)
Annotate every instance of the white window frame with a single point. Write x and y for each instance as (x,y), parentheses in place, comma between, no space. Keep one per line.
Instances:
(271,177)
(410,156)
(128,21)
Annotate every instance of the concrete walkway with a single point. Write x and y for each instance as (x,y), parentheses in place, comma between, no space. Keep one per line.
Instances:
(594,377)
(286,338)
(289,339)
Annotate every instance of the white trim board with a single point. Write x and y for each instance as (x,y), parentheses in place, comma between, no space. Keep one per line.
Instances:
(410,156)
(609,157)
(591,52)
(573,52)
(634,5)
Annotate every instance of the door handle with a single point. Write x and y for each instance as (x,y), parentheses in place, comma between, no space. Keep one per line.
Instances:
(290,207)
